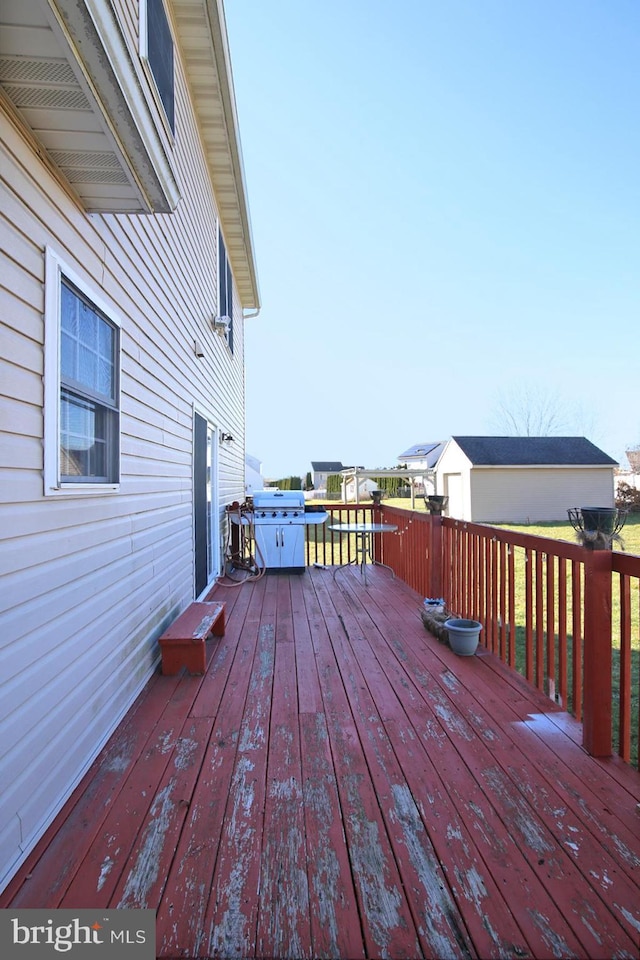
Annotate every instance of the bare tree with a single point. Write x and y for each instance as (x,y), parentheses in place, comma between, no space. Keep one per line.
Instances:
(531,410)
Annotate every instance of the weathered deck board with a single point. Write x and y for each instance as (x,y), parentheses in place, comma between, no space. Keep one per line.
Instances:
(180,925)
(558,840)
(339,784)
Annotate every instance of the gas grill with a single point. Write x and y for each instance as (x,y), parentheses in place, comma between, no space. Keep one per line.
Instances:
(279,521)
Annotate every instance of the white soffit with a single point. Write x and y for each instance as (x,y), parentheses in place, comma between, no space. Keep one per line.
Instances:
(65,68)
(202,37)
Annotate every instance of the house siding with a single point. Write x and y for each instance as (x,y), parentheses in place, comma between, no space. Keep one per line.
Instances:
(87,583)
(533,494)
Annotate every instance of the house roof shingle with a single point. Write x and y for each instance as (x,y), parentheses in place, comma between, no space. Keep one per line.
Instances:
(533,451)
(327,466)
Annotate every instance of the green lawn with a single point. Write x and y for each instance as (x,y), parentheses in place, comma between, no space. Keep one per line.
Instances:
(562,530)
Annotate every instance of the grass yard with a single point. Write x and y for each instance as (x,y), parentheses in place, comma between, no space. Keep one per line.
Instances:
(562,530)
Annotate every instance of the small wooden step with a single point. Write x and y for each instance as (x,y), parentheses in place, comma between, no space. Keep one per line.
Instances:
(183,643)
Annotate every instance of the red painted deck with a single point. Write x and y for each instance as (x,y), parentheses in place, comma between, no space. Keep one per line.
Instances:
(339,784)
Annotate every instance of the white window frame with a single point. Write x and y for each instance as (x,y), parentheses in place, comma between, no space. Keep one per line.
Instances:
(55,270)
(222,308)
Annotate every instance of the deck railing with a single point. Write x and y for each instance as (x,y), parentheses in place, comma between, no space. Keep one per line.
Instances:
(329,547)
(565,617)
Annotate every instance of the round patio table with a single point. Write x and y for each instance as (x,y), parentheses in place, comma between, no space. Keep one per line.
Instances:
(364,536)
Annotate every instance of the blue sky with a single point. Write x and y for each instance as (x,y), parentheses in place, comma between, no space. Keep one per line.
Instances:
(445,201)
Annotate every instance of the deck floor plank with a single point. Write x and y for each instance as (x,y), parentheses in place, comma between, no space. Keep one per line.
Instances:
(64,844)
(111,849)
(592,922)
(461,798)
(284,922)
(467,875)
(180,926)
(232,913)
(339,784)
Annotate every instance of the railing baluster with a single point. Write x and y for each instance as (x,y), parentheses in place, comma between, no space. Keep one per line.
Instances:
(624,735)
(528,625)
(539,605)
(512,606)
(576,644)
(562,631)
(551,629)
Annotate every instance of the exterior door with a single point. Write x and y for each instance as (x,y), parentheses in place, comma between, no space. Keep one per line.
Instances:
(205,499)
(453,489)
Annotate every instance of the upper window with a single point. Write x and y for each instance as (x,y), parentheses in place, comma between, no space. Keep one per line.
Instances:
(159,53)
(225,287)
(81,386)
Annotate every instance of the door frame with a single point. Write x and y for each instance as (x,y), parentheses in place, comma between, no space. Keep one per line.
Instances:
(211,501)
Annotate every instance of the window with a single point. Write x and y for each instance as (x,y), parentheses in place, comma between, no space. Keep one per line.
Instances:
(225,287)
(82,344)
(158,49)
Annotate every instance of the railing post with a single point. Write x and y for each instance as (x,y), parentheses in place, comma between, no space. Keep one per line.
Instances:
(596,719)
(435,556)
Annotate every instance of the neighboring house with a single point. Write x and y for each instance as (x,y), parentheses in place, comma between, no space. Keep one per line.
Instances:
(321,469)
(426,456)
(127,269)
(630,477)
(365,486)
(253,479)
(523,479)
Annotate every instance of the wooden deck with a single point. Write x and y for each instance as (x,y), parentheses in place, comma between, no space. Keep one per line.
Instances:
(340,784)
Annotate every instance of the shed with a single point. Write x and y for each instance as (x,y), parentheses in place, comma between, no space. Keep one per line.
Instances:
(523,479)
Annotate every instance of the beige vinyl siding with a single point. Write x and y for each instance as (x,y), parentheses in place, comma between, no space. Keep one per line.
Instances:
(87,583)
(533,494)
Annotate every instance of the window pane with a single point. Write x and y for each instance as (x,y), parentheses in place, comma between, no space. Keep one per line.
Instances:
(160,53)
(69,328)
(68,356)
(88,346)
(83,439)
(105,378)
(69,308)
(88,368)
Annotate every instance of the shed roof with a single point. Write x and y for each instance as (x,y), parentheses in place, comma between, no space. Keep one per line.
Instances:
(533,451)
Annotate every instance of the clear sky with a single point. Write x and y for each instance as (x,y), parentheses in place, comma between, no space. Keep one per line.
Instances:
(445,200)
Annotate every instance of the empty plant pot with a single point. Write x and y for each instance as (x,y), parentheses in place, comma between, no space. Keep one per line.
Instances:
(436,503)
(464,636)
(599,519)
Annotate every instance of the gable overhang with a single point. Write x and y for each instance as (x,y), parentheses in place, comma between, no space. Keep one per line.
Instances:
(67,69)
(202,36)
(543,466)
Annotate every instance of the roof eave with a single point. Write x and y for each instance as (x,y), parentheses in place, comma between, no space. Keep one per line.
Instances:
(208,67)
